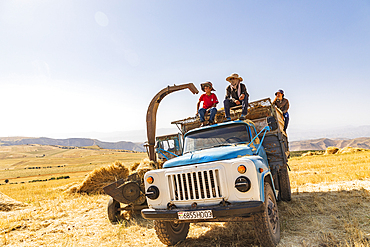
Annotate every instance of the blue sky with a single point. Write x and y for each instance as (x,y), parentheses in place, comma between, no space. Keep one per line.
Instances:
(68,68)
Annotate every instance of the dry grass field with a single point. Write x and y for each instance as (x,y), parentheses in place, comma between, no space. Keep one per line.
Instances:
(330,207)
(27,162)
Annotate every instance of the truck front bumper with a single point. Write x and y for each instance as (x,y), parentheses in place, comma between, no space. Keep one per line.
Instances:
(219,212)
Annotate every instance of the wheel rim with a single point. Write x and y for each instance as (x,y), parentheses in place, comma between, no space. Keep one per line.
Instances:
(177,227)
(116,210)
(273,216)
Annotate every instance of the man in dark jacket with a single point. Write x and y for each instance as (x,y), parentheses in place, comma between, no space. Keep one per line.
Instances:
(283,104)
(236,94)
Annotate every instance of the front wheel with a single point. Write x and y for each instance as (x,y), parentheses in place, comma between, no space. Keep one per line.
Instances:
(266,223)
(114,213)
(169,232)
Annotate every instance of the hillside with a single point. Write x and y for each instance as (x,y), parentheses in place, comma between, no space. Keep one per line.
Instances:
(323,143)
(75,142)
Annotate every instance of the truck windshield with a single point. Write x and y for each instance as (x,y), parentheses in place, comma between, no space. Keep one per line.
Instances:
(218,136)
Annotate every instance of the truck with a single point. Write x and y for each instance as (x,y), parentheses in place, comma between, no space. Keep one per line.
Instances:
(229,171)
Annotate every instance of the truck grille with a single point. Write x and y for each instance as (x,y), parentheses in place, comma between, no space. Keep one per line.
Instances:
(195,185)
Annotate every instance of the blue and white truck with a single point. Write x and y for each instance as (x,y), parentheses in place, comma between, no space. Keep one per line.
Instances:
(229,171)
(232,171)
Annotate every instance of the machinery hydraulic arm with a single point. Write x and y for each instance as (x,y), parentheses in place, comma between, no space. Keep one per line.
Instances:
(151,115)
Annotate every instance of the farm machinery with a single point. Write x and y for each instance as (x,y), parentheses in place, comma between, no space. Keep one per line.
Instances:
(229,171)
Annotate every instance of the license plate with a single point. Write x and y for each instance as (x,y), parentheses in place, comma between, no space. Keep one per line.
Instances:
(195,215)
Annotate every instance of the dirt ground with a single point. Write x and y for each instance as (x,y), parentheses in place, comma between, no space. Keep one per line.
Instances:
(327,214)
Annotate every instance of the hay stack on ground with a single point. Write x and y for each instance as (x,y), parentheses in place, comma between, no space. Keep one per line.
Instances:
(7,203)
(308,154)
(99,178)
(331,150)
(350,150)
(103,176)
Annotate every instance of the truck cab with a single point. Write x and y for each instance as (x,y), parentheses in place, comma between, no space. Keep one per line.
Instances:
(223,174)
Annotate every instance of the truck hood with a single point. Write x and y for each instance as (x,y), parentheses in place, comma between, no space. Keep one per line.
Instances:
(209,155)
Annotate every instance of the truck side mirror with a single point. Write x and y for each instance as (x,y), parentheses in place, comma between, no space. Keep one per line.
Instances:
(271,121)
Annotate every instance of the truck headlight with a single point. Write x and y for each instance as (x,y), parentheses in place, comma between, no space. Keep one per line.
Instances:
(152,193)
(243,184)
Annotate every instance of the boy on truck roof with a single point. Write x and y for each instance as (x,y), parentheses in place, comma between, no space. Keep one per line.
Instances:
(209,103)
(236,94)
(283,104)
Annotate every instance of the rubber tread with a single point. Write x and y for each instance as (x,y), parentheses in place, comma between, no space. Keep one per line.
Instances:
(284,182)
(261,227)
(166,236)
(114,215)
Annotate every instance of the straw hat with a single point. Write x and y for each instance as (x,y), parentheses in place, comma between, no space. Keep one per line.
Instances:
(235,75)
(207,83)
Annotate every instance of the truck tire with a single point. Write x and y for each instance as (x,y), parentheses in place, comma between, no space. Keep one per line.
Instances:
(114,214)
(169,232)
(284,182)
(266,223)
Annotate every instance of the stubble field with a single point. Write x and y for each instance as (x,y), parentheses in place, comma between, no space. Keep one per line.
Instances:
(330,206)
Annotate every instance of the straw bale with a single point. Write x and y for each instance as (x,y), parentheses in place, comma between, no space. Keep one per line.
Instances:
(350,150)
(308,154)
(134,166)
(331,150)
(103,176)
(147,164)
(99,178)
(7,203)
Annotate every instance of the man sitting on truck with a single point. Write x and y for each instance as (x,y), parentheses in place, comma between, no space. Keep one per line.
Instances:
(209,103)
(236,94)
(283,104)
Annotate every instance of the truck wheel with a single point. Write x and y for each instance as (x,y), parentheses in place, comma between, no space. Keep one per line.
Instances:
(114,214)
(169,232)
(284,182)
(266,223)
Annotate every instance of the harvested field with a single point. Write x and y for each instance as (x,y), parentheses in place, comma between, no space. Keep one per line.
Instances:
(335,218)
(324,211)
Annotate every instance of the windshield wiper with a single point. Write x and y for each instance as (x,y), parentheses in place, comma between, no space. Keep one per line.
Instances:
(222,144)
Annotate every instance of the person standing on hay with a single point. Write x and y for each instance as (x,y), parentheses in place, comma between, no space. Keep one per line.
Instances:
(283,104)
(236,94)
(209,103)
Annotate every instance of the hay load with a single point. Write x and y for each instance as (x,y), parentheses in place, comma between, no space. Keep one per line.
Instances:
(331,150)
(103,176)
(7,203)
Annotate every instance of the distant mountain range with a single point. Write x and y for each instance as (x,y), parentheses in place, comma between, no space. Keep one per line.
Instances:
(323,143)
(348,132)
(314,144)
(72,142)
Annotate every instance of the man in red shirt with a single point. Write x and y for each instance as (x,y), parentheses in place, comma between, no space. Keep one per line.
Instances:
(209,103)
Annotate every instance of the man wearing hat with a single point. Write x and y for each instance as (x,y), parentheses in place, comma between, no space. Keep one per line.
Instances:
(283,104)
(209,103)
(236,94)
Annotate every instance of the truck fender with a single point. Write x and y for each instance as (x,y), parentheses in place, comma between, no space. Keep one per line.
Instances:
(266,176)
